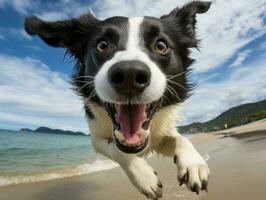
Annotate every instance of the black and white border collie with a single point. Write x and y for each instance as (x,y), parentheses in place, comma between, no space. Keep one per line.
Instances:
(132,75)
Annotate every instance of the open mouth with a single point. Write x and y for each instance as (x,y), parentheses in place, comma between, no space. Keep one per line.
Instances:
(131,124)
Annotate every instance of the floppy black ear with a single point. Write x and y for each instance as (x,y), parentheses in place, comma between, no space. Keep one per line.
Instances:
(67,33)
(185,17)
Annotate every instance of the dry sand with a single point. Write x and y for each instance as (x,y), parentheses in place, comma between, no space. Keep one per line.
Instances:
(238,172)
(251,127)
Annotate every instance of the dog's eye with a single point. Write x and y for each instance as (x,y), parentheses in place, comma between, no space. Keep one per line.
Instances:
(102,46)
(161,47)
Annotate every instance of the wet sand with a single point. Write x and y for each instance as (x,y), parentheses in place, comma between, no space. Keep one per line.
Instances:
(238,167)
(238,172)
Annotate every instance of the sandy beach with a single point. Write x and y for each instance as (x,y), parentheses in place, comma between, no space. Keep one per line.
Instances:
(237,163)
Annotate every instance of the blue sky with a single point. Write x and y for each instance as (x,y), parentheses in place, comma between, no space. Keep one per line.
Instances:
(230,68)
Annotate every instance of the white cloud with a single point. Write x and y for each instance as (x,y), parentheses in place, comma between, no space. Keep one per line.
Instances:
(23,33)
(9,32)
(241,57)
(242,85)
(33,95)
(63,9)
(19,5)
(228,26)
(2,37)
(33,47)
(52,16)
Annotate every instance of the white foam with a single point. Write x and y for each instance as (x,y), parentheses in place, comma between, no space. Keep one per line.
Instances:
(97,165)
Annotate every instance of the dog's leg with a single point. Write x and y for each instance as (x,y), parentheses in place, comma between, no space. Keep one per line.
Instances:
(192,168)
(141,174)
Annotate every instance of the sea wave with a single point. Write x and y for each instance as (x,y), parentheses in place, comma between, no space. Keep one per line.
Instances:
(19,178)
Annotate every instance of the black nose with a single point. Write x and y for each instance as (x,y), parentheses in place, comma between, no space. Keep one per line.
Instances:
(129,78)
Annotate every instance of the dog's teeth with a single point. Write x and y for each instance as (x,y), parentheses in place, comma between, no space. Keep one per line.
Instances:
(119,135)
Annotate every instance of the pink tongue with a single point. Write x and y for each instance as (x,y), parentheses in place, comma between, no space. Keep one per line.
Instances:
(131,118)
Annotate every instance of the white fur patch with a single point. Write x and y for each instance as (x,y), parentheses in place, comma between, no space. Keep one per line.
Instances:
(133,33)
(133,52)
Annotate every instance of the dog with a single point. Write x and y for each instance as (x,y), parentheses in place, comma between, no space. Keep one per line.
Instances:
(133,75)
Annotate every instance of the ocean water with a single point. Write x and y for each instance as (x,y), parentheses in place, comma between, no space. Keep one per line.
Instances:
(33,157)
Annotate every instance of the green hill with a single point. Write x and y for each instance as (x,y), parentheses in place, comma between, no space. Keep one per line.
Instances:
(235,116)
(51,131)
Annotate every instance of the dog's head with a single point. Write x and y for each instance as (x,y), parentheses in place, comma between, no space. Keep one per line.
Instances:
(130,66)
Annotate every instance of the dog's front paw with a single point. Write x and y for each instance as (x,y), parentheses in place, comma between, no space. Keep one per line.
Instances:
(192,170)
(145,179)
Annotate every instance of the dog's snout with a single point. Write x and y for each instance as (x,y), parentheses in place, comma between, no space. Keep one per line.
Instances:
(129,78)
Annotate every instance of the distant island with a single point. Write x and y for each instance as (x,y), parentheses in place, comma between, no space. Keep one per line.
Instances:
(52,131)
(235,116)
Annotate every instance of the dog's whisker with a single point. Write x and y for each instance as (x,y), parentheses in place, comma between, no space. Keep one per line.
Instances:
(84,81)
(173,92)
(86,85)
(170,91)
(174,76)
(165,97)
(177,84)
(78,77)
(92,94)
(174,95)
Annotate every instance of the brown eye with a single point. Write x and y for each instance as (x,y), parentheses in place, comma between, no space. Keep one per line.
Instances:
(102,46)
(161,47)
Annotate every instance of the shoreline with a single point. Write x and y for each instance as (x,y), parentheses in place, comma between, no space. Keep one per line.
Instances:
(99,165)
(17,178)
(237,172)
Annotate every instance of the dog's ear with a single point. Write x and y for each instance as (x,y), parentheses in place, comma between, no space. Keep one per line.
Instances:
(67,34)
(185,17)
